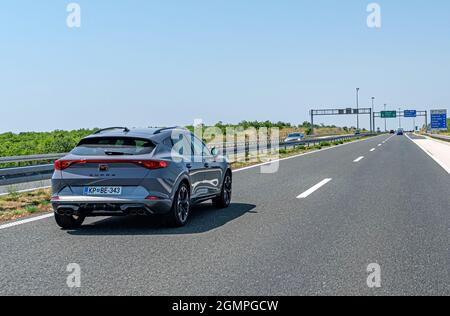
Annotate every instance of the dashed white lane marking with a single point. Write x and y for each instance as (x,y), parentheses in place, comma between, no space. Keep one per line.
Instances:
(358,159)
(25,221)
(313,189)
(379,145)
(372,150)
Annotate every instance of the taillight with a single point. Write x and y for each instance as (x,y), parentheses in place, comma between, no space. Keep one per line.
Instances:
(153,164)
(57,165)
(64,164)
(148,164)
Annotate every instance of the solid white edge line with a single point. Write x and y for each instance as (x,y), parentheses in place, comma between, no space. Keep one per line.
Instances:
(313,189)
(440,163)
(25,221)
(358,159)
(301,155)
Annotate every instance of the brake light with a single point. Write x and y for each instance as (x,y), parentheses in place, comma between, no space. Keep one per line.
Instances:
(148,164)
(64,164)
(153,164)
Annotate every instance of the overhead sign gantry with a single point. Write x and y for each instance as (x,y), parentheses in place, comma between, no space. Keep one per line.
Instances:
(400,114)
(347,111)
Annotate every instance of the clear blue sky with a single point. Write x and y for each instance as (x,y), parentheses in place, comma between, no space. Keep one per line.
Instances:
(167,62)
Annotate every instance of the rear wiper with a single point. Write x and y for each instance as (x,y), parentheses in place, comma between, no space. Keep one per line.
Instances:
(115,153)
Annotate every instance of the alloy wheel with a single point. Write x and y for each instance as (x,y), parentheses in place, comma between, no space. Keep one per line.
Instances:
(227,189)
(183,204)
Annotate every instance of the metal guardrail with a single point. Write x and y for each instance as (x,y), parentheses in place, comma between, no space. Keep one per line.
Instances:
(25,170)
(5,160)
(10,176)
(318,141)
(311,139)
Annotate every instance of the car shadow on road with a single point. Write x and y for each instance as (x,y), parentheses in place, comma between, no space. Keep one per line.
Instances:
(204,218)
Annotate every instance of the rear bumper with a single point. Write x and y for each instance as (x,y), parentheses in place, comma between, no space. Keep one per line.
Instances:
(98,206)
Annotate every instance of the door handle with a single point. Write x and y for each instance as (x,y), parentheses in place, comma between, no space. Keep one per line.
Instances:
(206,164)
(189,166)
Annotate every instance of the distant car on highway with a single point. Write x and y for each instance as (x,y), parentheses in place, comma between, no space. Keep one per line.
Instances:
(118,171)
(392,131)
(358,132)
(400,132)
(294,137)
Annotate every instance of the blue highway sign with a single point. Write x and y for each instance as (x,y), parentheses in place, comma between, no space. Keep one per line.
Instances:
(439,119)
(410,113)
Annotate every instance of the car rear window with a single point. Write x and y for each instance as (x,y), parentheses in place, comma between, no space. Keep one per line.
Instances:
(113,146)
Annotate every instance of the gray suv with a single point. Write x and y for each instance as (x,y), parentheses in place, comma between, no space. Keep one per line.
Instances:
(118,171)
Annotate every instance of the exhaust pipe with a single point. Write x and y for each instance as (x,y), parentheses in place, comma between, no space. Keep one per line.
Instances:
(65,212)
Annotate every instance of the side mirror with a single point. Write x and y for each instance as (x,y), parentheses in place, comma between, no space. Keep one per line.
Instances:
(214,152)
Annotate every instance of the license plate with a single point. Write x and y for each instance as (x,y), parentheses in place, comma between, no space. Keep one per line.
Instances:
(103,191)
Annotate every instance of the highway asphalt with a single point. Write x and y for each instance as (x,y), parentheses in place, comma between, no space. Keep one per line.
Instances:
(312,228)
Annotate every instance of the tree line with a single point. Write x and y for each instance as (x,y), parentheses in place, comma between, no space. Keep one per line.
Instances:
(59,141)
(35,143)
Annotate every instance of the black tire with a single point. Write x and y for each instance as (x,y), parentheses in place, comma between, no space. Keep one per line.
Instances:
(179,214)
(224,199)
(69,222)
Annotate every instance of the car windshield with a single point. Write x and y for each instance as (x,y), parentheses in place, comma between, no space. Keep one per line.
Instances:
(113,146)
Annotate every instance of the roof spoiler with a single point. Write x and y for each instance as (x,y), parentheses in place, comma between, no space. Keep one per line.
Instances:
(125,129)
(159,131)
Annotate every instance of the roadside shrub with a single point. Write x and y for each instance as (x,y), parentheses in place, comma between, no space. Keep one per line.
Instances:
(31,209)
